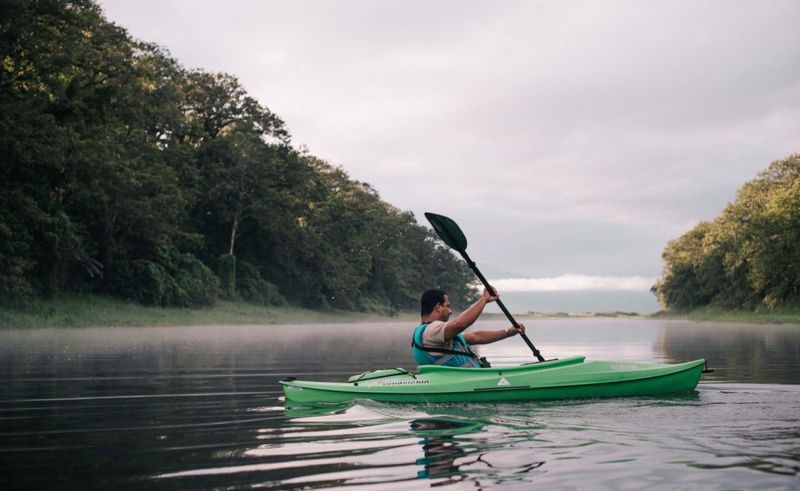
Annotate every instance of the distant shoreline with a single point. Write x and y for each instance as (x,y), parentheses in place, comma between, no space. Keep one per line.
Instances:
(786,315)
(100,311)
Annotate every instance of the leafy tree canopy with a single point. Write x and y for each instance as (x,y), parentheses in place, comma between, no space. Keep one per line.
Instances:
(748,257)
(125,174)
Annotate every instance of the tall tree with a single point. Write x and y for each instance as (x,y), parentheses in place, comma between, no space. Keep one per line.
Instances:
(749,256)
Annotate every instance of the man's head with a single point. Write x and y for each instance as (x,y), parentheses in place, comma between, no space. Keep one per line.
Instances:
(435,303)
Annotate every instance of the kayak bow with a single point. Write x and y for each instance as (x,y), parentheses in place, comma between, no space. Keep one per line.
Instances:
(569,378)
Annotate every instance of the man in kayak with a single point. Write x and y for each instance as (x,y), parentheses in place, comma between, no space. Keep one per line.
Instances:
(439,341)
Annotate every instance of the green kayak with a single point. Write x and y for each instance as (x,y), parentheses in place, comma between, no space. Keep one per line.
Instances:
(569,378)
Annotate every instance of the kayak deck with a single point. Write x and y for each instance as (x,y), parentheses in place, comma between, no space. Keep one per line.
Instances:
(568,378)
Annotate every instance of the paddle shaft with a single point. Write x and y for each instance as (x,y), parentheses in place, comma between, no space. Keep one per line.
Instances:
(474,268)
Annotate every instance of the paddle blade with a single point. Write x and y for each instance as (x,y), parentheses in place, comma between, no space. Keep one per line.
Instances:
(448,231)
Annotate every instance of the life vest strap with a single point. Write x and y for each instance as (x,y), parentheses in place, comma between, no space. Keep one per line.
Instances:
(443,350)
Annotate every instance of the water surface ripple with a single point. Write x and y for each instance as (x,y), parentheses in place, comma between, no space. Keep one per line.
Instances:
(200,408)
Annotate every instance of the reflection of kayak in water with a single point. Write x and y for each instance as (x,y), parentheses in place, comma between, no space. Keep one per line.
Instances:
(570,378)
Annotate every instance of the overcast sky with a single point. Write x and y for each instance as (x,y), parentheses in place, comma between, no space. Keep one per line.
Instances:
(568,139)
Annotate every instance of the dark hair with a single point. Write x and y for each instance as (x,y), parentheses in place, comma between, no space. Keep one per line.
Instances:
(430,299)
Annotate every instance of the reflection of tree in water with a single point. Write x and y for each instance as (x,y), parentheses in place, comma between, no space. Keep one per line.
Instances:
(445,455)
(737,352)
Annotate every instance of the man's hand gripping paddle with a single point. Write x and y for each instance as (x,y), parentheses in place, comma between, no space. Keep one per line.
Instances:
(452,235)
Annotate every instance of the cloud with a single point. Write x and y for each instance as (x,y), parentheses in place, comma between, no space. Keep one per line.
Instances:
(561,136)
(574,282)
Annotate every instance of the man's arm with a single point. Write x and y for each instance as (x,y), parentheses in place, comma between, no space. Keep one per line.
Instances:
(486,337)
(467,317)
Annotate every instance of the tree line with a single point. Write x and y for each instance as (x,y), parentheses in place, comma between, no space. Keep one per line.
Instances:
(125,174)
(748,257)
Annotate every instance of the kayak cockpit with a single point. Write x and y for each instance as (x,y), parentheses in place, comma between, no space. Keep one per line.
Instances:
(572,360)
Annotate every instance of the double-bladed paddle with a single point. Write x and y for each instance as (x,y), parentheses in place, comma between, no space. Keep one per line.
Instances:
(452,235)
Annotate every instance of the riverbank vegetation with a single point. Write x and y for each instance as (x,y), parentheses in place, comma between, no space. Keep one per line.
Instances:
(778,315)
(746,262)
(104,311)
(88,310)
(127,175)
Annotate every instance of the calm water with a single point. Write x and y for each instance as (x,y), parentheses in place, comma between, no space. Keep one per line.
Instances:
(200,408)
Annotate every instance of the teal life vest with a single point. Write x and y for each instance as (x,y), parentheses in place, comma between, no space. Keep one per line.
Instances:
(459,356)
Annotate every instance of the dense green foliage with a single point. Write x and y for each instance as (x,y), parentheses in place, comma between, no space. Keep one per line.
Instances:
(748,257)
(125,174)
